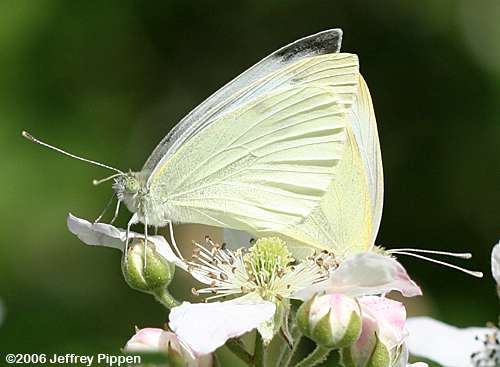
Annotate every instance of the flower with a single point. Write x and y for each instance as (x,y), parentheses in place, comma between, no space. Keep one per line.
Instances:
(154,340)
(381,343)
(266,270)
(451,346)
(332,320)
(495,265)
(265,276)
(262,278)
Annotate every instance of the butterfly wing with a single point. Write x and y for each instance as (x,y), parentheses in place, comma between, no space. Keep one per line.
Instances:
(364,126)
(348,218)
(261,167)
(247,86)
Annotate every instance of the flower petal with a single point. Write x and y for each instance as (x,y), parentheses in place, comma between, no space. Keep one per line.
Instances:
(365,274)
(101,234)
(495,263)
(442,343)
(96,234)
(390,317)
(204,327)
(152,340)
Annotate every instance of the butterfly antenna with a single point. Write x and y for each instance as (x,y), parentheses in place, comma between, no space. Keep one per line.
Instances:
(415,253)
(98,182)
(36,141)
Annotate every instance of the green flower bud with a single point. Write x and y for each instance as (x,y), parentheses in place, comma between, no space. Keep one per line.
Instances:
(147,271)
(332,321)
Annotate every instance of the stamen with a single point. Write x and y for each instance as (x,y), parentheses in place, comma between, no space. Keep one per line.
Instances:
(489,356)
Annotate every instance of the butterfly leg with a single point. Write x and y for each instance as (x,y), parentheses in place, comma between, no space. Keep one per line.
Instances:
(117,210)
(145,240)
(132,220)
(172,238)
(105,209)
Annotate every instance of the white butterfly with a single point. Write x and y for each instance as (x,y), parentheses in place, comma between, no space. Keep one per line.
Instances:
(260,154)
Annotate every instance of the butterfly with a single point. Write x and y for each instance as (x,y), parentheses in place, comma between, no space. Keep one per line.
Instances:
(259,154)
(289,147)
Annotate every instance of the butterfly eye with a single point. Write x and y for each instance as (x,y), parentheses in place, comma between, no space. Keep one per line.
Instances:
(131,184)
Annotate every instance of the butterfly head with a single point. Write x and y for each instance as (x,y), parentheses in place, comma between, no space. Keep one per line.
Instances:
(129,184)
(131,189)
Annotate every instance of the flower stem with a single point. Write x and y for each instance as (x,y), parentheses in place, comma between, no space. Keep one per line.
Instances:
(316,357)
(236,346)
(260,352)
(288,352)
(165,298)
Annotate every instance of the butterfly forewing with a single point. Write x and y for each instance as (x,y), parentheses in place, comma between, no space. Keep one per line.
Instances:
(242,89)
(261,167)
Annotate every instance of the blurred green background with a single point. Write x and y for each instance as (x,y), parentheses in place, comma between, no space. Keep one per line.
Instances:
(109,79)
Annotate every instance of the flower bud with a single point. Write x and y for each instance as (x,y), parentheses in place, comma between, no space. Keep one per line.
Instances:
(147,276)
(332,320)
(153,340)
(381,343)
(147,271)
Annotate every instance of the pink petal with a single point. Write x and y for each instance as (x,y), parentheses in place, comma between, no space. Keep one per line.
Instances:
(390,317)
(365,274)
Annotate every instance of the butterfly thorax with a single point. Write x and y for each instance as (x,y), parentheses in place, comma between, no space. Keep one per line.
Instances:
(131,189)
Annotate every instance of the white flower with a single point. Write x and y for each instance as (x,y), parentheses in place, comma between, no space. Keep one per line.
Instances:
(451,346)
(495,263)
(265,275)
(160,341)
(267,269)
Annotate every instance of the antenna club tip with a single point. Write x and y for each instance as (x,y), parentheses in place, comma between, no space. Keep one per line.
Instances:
(27,135)
(95,182)
(478,274)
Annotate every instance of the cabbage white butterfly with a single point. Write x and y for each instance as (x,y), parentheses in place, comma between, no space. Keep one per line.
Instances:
(260,153)
(290,146)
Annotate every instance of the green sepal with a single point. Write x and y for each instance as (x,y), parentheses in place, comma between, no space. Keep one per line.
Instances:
(322,332)
(352,332)
(302,317)
(380,356)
